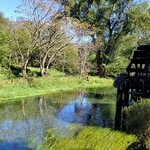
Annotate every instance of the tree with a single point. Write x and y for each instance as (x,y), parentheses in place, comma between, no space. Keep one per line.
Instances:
(84,45)
(22,43)
(67,60)
(110,20)
(56,41)
(42,20)
(4,42)
(140,19)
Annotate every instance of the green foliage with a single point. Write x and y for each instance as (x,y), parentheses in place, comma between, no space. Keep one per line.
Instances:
(139,121)
(117,66)
(55,73)
(22,40)
(67,60)
(91,138)
(4,43)
(140,19)
(127,44)
(121,26)
(2,75)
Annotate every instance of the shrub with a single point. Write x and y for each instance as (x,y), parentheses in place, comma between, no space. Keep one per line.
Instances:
(119,65)
(139,121)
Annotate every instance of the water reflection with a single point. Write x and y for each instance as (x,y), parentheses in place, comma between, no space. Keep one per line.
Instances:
(12,145)
(23,124)
(84,112)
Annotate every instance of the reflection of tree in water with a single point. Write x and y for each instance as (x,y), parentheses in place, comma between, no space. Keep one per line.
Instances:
(82,111)
(78,106)
(25,120)
(30,118)
(96,118)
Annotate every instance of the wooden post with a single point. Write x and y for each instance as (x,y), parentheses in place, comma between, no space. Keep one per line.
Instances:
(126,94)
(119,105)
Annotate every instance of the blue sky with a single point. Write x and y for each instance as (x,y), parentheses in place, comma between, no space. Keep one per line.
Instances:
(9,6)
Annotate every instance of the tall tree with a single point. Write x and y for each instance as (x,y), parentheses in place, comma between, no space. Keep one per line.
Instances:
(110,19)
(42,22)
(55,41)
(22,43)
(140,19)
(85,48)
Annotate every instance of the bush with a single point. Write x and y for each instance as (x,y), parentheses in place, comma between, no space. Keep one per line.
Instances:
(139,121)
(119,65)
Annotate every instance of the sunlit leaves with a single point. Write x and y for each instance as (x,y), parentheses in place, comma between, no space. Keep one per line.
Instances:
(140,19)
(4,42)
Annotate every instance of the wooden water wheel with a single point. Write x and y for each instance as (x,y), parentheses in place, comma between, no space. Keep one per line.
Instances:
(138,74)
(135,84)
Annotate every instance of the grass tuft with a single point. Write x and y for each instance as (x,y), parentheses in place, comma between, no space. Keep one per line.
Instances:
(93,138)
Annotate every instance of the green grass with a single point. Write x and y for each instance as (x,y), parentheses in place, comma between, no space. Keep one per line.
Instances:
(18,88)
(92,138)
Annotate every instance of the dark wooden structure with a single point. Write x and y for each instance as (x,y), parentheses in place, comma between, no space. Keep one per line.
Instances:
(134,84)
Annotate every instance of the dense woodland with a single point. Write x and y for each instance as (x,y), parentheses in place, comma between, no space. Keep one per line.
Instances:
(95,37)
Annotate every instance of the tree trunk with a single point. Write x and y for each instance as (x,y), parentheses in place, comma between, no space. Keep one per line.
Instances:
(42,70)
(98,62)
(119,106)
(42,65)
(47,67)
(24,68)
(81,70)
(49,62)
(84,71)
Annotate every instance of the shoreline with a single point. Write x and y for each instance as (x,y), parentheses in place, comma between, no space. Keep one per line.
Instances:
(20,88)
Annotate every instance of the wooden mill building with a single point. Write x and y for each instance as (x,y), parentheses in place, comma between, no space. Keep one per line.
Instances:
(135,83)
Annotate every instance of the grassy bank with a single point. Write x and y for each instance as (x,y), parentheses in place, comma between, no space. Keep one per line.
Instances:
(17,88)
(92,138)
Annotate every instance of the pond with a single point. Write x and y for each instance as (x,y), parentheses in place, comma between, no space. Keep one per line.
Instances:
(24,124)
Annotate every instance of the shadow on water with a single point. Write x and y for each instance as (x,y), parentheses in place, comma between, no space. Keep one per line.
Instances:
(24,124)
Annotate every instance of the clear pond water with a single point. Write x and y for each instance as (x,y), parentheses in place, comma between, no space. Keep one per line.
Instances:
(25,123)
